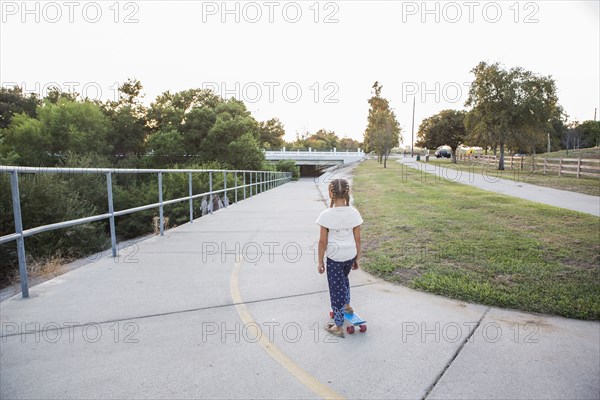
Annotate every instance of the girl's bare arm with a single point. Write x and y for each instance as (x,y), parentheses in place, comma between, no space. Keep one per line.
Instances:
(322,246)
(356,232)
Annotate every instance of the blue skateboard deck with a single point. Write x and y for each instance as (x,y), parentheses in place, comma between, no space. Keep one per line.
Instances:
(354,319)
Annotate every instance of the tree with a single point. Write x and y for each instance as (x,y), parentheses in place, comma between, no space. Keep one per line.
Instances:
(509,108)
(233,121)
(79,127)
(128,119)
(590,133)
(13,101)
(383,131)
(245,153)
(166,147)
(195,128)
(271,134)
(169,109)
(445,128)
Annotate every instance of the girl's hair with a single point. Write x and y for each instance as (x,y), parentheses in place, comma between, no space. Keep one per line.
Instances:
(340,189)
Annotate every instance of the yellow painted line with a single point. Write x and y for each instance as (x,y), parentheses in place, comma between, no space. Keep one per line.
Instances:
(298,372)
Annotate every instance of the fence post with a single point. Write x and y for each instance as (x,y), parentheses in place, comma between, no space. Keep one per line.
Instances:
(532,163)
(210,196)
(244,185)
(545,162)
(511,161)
(111,210)
(560,166)
(521,163)
(235,184)
(578,166)
(250,184)
(191,200)
(16,201)
(225,188)
(160,200)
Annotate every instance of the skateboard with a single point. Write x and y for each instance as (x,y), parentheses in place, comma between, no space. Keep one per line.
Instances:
(354,320)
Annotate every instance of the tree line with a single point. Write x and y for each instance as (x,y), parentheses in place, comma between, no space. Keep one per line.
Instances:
(506,110)
(515,110)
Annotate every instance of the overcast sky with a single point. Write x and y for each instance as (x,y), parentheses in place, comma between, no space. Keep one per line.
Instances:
(310,64)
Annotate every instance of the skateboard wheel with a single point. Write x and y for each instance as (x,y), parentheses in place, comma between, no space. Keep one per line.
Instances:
(350,329)
(331,314)
(362,328)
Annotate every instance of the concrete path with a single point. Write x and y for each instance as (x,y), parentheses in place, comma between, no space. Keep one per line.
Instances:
(231,306)
(560,198)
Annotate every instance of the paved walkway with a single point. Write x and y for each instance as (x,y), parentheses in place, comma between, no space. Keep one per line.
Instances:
(560,198)
(181,316)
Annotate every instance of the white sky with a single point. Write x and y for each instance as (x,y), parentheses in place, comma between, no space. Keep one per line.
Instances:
(185,44)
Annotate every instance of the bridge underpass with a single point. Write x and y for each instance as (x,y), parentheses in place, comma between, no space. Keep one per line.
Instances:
(314,163)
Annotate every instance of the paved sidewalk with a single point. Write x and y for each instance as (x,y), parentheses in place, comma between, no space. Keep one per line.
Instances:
(584,203)
(181,316)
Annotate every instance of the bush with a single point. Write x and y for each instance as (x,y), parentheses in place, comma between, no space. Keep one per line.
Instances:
(289,166)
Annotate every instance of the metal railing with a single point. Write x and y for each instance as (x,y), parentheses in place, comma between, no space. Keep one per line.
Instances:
(260,181)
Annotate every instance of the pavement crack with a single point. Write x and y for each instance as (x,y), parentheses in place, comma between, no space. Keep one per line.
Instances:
(190,310)
(441,374)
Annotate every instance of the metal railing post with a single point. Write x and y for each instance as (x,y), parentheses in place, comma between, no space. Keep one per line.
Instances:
(210,196)
(244,186)
(160,209)
(250,184)
(111,210)
(225,187)
(235,184)
(191,199)
(16,200)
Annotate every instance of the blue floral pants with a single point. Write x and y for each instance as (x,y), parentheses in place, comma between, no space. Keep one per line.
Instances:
(339,287)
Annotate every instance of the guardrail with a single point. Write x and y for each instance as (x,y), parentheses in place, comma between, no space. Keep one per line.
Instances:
(573,166)
(259,181)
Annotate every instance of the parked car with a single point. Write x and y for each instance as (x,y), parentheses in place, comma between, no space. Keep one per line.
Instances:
(443,153)
(520,155)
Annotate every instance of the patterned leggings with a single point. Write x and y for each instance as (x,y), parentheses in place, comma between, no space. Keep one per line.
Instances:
(339,287)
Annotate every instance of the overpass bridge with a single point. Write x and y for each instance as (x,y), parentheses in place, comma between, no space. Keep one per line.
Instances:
(313,162)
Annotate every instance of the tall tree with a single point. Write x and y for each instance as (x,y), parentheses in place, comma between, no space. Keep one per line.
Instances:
(383,131)
(271,134)
(509,108)
(446,128)
(128,115)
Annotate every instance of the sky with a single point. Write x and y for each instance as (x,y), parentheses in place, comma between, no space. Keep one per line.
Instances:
(311,64)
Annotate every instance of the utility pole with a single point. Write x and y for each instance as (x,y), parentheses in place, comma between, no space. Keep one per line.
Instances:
(595,111)
(412,140)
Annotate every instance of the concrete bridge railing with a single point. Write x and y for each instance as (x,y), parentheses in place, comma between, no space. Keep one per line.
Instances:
(254,181)
(316,157)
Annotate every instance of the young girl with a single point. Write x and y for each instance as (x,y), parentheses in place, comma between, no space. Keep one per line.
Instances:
(340,240)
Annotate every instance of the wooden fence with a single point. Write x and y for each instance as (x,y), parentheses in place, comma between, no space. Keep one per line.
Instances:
(570,166)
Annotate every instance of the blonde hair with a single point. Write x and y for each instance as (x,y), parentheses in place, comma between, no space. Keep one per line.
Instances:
(340,189)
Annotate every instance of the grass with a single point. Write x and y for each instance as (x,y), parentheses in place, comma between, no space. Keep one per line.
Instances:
(46,268)
(586,185)
(473,245)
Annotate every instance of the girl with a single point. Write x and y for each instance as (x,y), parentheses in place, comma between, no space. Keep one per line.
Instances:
(340,240)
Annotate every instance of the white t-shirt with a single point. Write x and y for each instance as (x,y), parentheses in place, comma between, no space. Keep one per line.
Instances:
(340,241)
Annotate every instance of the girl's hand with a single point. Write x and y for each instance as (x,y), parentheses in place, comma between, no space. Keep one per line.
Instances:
(355,265)
(321,268)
